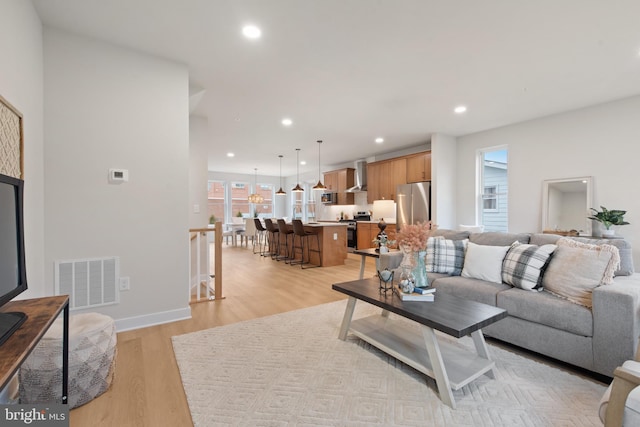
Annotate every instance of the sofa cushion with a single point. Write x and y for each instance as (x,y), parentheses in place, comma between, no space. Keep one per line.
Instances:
(435,276)
(445,256)
(450,234)
(577,268)
(496,238)
(484,262)
(624,249)
(524,265)
(471,228)
(547,309)
(471,289)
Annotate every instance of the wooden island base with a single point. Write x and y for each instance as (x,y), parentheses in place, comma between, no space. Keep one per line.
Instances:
(333,244)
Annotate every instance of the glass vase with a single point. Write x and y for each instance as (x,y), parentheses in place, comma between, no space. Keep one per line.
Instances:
(420,270)
(406,280)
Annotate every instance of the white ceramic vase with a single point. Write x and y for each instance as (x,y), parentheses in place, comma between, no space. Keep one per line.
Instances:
(608,232)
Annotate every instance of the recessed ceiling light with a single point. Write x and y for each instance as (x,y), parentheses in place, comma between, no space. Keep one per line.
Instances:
(251,32)
(379,140)
(460,109)
(303,162)
(287,122)
(230,154)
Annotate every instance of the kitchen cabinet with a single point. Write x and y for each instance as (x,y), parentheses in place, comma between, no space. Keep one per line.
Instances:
(331,181)
(366,232)
(339,181)
(419,167)
(383,178)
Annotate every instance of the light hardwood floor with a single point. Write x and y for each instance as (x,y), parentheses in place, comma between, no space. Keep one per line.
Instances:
(147,390)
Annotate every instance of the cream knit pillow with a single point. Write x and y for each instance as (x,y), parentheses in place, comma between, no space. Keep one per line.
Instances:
(577,268)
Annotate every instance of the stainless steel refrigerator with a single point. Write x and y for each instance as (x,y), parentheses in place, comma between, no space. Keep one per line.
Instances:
(413,203)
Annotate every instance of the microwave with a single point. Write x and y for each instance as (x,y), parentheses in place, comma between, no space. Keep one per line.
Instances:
(329,198)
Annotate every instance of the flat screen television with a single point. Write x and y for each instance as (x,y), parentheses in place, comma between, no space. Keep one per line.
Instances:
(13,275)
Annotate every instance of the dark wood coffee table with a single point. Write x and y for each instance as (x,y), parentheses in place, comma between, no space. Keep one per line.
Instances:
(451,366)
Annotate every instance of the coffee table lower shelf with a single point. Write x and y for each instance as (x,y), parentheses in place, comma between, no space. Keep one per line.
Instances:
(458,366)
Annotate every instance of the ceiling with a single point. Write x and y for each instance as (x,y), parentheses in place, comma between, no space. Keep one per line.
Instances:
(348,71)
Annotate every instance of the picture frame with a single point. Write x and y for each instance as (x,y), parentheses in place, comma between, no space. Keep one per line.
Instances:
(11,140)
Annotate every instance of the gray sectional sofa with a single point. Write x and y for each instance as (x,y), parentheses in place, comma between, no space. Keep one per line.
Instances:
(598,339)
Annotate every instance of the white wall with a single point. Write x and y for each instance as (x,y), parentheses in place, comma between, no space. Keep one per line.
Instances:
(21,85)
(110,107)
(198,170)
(599,141)
(443,181)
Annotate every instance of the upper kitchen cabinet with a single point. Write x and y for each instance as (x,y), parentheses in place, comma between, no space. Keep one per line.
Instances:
(419,167)
(383,178)
(331,181)
(339,181)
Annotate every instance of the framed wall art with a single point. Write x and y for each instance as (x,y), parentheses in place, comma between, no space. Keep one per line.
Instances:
(11,140)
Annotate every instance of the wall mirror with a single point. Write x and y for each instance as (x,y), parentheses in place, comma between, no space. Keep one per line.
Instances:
(566,203)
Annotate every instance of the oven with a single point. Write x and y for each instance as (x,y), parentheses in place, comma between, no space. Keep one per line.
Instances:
(360,216)
(351,232)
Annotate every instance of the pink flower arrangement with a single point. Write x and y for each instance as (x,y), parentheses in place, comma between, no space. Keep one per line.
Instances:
(413,237)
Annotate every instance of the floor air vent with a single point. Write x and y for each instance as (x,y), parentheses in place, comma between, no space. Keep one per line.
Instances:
(88,282)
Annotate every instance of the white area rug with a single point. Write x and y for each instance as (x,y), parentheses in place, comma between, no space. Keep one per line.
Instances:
(292,370)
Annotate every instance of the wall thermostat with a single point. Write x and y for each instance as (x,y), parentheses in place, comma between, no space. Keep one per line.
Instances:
(117,176)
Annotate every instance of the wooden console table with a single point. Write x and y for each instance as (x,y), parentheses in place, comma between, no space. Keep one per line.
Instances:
(41,314)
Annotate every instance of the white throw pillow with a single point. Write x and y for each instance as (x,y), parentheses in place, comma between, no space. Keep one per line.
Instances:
(484,262)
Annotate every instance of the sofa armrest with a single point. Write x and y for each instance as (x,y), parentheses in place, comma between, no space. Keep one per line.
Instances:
(616,323)
(391,260)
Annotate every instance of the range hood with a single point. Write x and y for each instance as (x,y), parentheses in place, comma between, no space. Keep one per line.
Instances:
(361,177)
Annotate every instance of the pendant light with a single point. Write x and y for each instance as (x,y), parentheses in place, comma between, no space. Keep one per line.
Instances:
(255,197)
(297,188)
(281,192)
(319,185)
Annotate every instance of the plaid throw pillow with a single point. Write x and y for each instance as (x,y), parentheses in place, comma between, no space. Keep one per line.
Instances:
(524,265)
(445,256)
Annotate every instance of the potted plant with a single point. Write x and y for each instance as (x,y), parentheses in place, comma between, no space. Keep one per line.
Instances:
(212,219)
(382,242)
(608,218)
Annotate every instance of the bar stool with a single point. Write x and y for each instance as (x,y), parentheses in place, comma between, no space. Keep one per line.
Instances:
(260,236)
(303,236)
(273,240)
(285,232)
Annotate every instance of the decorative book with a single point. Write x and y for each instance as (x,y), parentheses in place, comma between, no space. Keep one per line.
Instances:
(415,296)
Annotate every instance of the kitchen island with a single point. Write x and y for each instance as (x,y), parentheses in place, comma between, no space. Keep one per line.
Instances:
(333,243)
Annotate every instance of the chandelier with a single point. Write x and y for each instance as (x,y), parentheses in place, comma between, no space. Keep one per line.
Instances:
(255,197)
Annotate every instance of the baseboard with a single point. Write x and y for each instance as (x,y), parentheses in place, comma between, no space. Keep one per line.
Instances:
(144,321)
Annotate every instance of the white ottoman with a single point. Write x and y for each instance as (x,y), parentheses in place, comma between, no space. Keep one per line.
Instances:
(92,350)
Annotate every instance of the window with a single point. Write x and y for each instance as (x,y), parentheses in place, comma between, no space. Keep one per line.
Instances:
(490,198)
(216,200)
(264,209)
(298,202)
(493,185)
(239,199)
